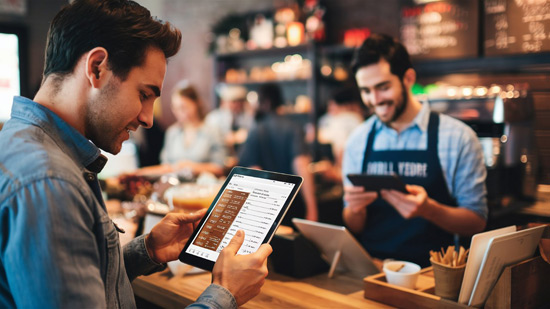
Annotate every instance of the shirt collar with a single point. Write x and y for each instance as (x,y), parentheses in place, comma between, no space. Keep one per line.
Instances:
(420,121)
(67,137)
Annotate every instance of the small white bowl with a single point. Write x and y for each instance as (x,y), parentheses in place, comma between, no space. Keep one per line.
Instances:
(401,273)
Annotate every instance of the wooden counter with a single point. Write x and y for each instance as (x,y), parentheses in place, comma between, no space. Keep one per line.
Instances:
(165,290)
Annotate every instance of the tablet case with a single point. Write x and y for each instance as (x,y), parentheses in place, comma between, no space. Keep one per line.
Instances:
(502,251)
(339,248)
(478,247)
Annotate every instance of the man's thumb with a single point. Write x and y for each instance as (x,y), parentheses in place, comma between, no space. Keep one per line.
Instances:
(236,242)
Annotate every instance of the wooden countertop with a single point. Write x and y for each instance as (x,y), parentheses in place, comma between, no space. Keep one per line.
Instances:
(169,291)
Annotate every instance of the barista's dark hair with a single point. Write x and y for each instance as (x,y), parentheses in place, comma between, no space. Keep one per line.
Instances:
(124,28)
(382,46)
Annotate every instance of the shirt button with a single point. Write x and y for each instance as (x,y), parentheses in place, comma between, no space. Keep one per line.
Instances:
(89,177)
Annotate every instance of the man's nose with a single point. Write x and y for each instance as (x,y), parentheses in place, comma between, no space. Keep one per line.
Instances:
(145,117)
(375,97)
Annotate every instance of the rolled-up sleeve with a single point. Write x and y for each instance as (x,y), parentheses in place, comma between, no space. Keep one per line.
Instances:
(215,296)
(469,176)
(137,261)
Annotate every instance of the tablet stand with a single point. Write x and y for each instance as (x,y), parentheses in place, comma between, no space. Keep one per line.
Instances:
(334,263)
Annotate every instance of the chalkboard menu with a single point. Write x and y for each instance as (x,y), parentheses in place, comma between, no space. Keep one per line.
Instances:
(441,30)
(516,26)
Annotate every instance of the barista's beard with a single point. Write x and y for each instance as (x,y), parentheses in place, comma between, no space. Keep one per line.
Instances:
(400,108)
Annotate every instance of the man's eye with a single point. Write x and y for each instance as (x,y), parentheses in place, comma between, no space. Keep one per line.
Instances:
(143,96)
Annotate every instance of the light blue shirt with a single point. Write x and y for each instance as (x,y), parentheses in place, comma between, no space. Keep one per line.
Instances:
(207,146)
(459,151)
(58,246)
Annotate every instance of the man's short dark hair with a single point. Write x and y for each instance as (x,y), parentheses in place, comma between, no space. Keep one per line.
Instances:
(124,28)
(382,46)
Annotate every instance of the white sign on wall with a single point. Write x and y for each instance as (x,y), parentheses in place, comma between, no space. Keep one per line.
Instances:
(9,73)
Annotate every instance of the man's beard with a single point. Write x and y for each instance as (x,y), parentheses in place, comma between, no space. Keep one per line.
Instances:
(399,107)
(100,127)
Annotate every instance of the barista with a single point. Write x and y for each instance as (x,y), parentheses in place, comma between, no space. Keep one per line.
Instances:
(440,158)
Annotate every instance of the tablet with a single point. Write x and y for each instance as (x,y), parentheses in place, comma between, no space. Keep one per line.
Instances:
(254,201)
(478,246)
(502,251)
(339,248)
(377,182)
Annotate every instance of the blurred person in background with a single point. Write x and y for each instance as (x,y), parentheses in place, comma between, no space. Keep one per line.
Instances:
(344,114)
(149,141)
(233,118)
(276,143)
(189,143)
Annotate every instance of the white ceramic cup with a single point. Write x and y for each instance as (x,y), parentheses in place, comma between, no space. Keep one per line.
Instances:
(406,275)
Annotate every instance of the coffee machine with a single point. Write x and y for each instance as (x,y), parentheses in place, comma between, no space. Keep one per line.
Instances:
(502,116)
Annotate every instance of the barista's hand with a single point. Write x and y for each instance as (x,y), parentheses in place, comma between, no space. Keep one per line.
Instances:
(242,275)
(358,199)
(167,238)
(409,205)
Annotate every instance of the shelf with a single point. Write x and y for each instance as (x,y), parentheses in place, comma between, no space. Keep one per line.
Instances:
(337,50)
(523,63)
(280,82)
(526,63)
(265,52)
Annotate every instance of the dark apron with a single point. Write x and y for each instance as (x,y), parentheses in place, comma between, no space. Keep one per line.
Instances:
(387,234)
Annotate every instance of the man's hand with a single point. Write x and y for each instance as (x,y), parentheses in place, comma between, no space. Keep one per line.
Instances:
(242,275)
(169,236)
(411,205)
(358,199)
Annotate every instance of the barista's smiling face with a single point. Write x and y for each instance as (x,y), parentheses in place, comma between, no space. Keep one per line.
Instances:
(382,91)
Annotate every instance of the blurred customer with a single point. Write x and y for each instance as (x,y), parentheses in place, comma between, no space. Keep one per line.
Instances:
(343,115)
(189,143)
(277,144)
(233,119)
(149,141)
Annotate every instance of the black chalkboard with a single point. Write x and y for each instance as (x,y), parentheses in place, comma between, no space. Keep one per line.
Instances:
(516,27)
(441,30)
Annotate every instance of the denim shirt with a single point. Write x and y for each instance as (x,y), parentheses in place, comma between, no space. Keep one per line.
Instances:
(58,246)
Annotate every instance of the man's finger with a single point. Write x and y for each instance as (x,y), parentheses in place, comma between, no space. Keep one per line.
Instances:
(264,251)
(187,217)
(353,189)
(235,242)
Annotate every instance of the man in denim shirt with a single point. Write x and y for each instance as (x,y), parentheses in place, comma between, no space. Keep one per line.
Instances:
(105,65)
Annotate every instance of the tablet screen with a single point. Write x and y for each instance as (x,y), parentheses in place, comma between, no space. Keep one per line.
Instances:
(251,200)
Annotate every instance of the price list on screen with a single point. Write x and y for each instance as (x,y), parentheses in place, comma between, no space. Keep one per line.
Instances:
(247,203)
(222,217)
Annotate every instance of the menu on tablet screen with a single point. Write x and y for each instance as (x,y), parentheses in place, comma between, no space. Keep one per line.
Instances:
(248,203)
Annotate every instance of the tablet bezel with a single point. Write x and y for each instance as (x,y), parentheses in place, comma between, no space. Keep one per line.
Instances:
(376,183)
(238,170)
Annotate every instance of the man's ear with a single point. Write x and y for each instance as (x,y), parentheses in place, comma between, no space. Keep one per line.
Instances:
(96,66)
(409,78)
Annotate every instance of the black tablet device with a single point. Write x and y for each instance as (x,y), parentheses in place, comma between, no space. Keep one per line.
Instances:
(254,201)
(377,182)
